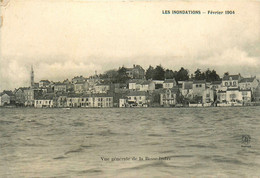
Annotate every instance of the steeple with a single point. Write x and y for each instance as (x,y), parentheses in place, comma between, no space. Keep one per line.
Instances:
(32,77)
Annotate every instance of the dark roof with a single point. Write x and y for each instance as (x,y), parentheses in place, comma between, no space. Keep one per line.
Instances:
(216,82)
(169,81)
(79,82)
(246,80)
(187,85)
(173,90)
(46,97)
(59,84)
(8,92)
(233,77)
(45,81)
(220,91)
(199,81)
(232,89)
(137,93)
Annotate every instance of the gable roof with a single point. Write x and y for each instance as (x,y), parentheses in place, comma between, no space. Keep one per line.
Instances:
(198,81)
(187,85)
(233,77)
(169,81)
(216,82)
(137,93)
(247,80)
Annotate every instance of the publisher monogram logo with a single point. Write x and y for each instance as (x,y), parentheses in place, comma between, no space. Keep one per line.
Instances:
(246,140)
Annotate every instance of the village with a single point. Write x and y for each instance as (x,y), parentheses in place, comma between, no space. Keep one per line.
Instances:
(135,87)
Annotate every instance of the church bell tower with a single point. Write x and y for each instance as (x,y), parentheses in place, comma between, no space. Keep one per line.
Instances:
(32,77)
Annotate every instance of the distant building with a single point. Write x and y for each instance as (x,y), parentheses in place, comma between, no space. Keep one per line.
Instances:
(78,79)
(101,88)
(169,83)
(216,85)
(44,83)
(141,85)
(79,87)
(60,87)
(137,72)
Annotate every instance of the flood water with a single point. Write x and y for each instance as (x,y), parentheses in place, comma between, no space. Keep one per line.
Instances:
(146,142)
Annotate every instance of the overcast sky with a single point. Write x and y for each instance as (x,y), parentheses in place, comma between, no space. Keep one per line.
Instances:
(65,38)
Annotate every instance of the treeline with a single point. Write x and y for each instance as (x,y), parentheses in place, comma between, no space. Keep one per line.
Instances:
(161,73)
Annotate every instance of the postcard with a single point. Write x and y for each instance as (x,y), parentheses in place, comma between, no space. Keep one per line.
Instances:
(129,88)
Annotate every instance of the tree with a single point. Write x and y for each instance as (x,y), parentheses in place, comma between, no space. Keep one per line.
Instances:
(213,76)
(182,75)
(169,74)
(121,75)
(158,73)
(197,74)
(226,73)
(149,73)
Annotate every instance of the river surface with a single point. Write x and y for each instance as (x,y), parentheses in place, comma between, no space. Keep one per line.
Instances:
(146,142)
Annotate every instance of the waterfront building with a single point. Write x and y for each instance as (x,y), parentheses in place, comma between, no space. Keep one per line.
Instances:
(186,89)
(30,95)
(250,83)
(168,97)
(4,99)
(138,98)
(20,95)
(231,81)
(45,101)
(208,97)
(103,101)
(198,87)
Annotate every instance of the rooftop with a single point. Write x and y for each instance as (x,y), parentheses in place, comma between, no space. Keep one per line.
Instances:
(232,77)
(247,80)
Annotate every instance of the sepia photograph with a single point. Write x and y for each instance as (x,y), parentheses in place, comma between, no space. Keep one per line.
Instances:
(129,88)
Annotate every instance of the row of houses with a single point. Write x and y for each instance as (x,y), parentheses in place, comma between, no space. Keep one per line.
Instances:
(232,89)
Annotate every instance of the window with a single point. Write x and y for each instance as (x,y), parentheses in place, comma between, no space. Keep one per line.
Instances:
(234,83)
(226,83)
(232,96)
(200,85)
